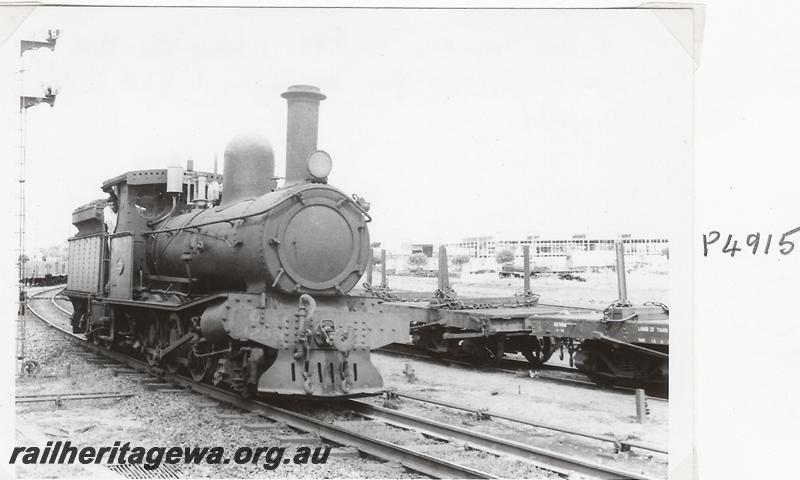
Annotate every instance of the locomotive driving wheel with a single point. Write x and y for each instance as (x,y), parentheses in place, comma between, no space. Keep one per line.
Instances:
(538,351)
(200,366)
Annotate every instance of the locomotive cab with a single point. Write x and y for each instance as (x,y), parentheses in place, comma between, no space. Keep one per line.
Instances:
(142,199)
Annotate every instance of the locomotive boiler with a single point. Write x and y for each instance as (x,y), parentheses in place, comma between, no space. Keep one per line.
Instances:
(231,278)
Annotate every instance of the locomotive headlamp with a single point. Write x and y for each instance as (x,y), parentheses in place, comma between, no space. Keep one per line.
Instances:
(319,164)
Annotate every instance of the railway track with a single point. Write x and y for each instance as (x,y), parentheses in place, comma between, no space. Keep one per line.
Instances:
(295,414)
(562,464)
(58,399)
(508,365)
(560,373)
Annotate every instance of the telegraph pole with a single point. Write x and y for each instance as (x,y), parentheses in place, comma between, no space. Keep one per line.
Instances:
(26,102)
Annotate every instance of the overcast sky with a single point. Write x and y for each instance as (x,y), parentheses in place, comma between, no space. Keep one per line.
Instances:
(451,123)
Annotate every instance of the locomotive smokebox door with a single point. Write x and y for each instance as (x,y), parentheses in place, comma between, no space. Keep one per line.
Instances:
(120,266)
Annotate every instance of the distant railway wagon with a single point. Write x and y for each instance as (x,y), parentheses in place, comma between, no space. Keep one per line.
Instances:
(46,271)
(510,270)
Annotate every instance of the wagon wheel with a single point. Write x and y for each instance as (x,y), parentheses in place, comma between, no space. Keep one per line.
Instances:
(538,352)
(171,362)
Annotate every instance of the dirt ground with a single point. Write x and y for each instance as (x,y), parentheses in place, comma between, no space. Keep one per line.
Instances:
(161,419)
(592,411)
(599,412)
(150,419)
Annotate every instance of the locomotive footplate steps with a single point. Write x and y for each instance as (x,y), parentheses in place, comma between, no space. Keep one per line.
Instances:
(313,347)
(322,372)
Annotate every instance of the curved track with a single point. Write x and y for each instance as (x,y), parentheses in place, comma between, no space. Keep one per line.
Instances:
(419,461)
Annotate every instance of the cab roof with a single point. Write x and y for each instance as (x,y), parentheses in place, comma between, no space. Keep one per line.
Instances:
(155,176)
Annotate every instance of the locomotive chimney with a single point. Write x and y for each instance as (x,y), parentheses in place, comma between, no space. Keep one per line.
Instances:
(248,169)
(301,130)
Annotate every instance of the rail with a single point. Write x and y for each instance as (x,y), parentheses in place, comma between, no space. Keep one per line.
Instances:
(508,365)
(622,445)
(59,398)
(564,464)
(411,459)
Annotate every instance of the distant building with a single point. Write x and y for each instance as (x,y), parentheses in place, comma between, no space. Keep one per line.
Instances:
(415,248)
(562,252)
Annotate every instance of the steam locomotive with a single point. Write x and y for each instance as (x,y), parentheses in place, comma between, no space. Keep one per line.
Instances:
(247,289)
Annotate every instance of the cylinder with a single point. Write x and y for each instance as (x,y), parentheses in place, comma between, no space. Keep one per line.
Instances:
(249,168)
(301,130)
(212,324)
